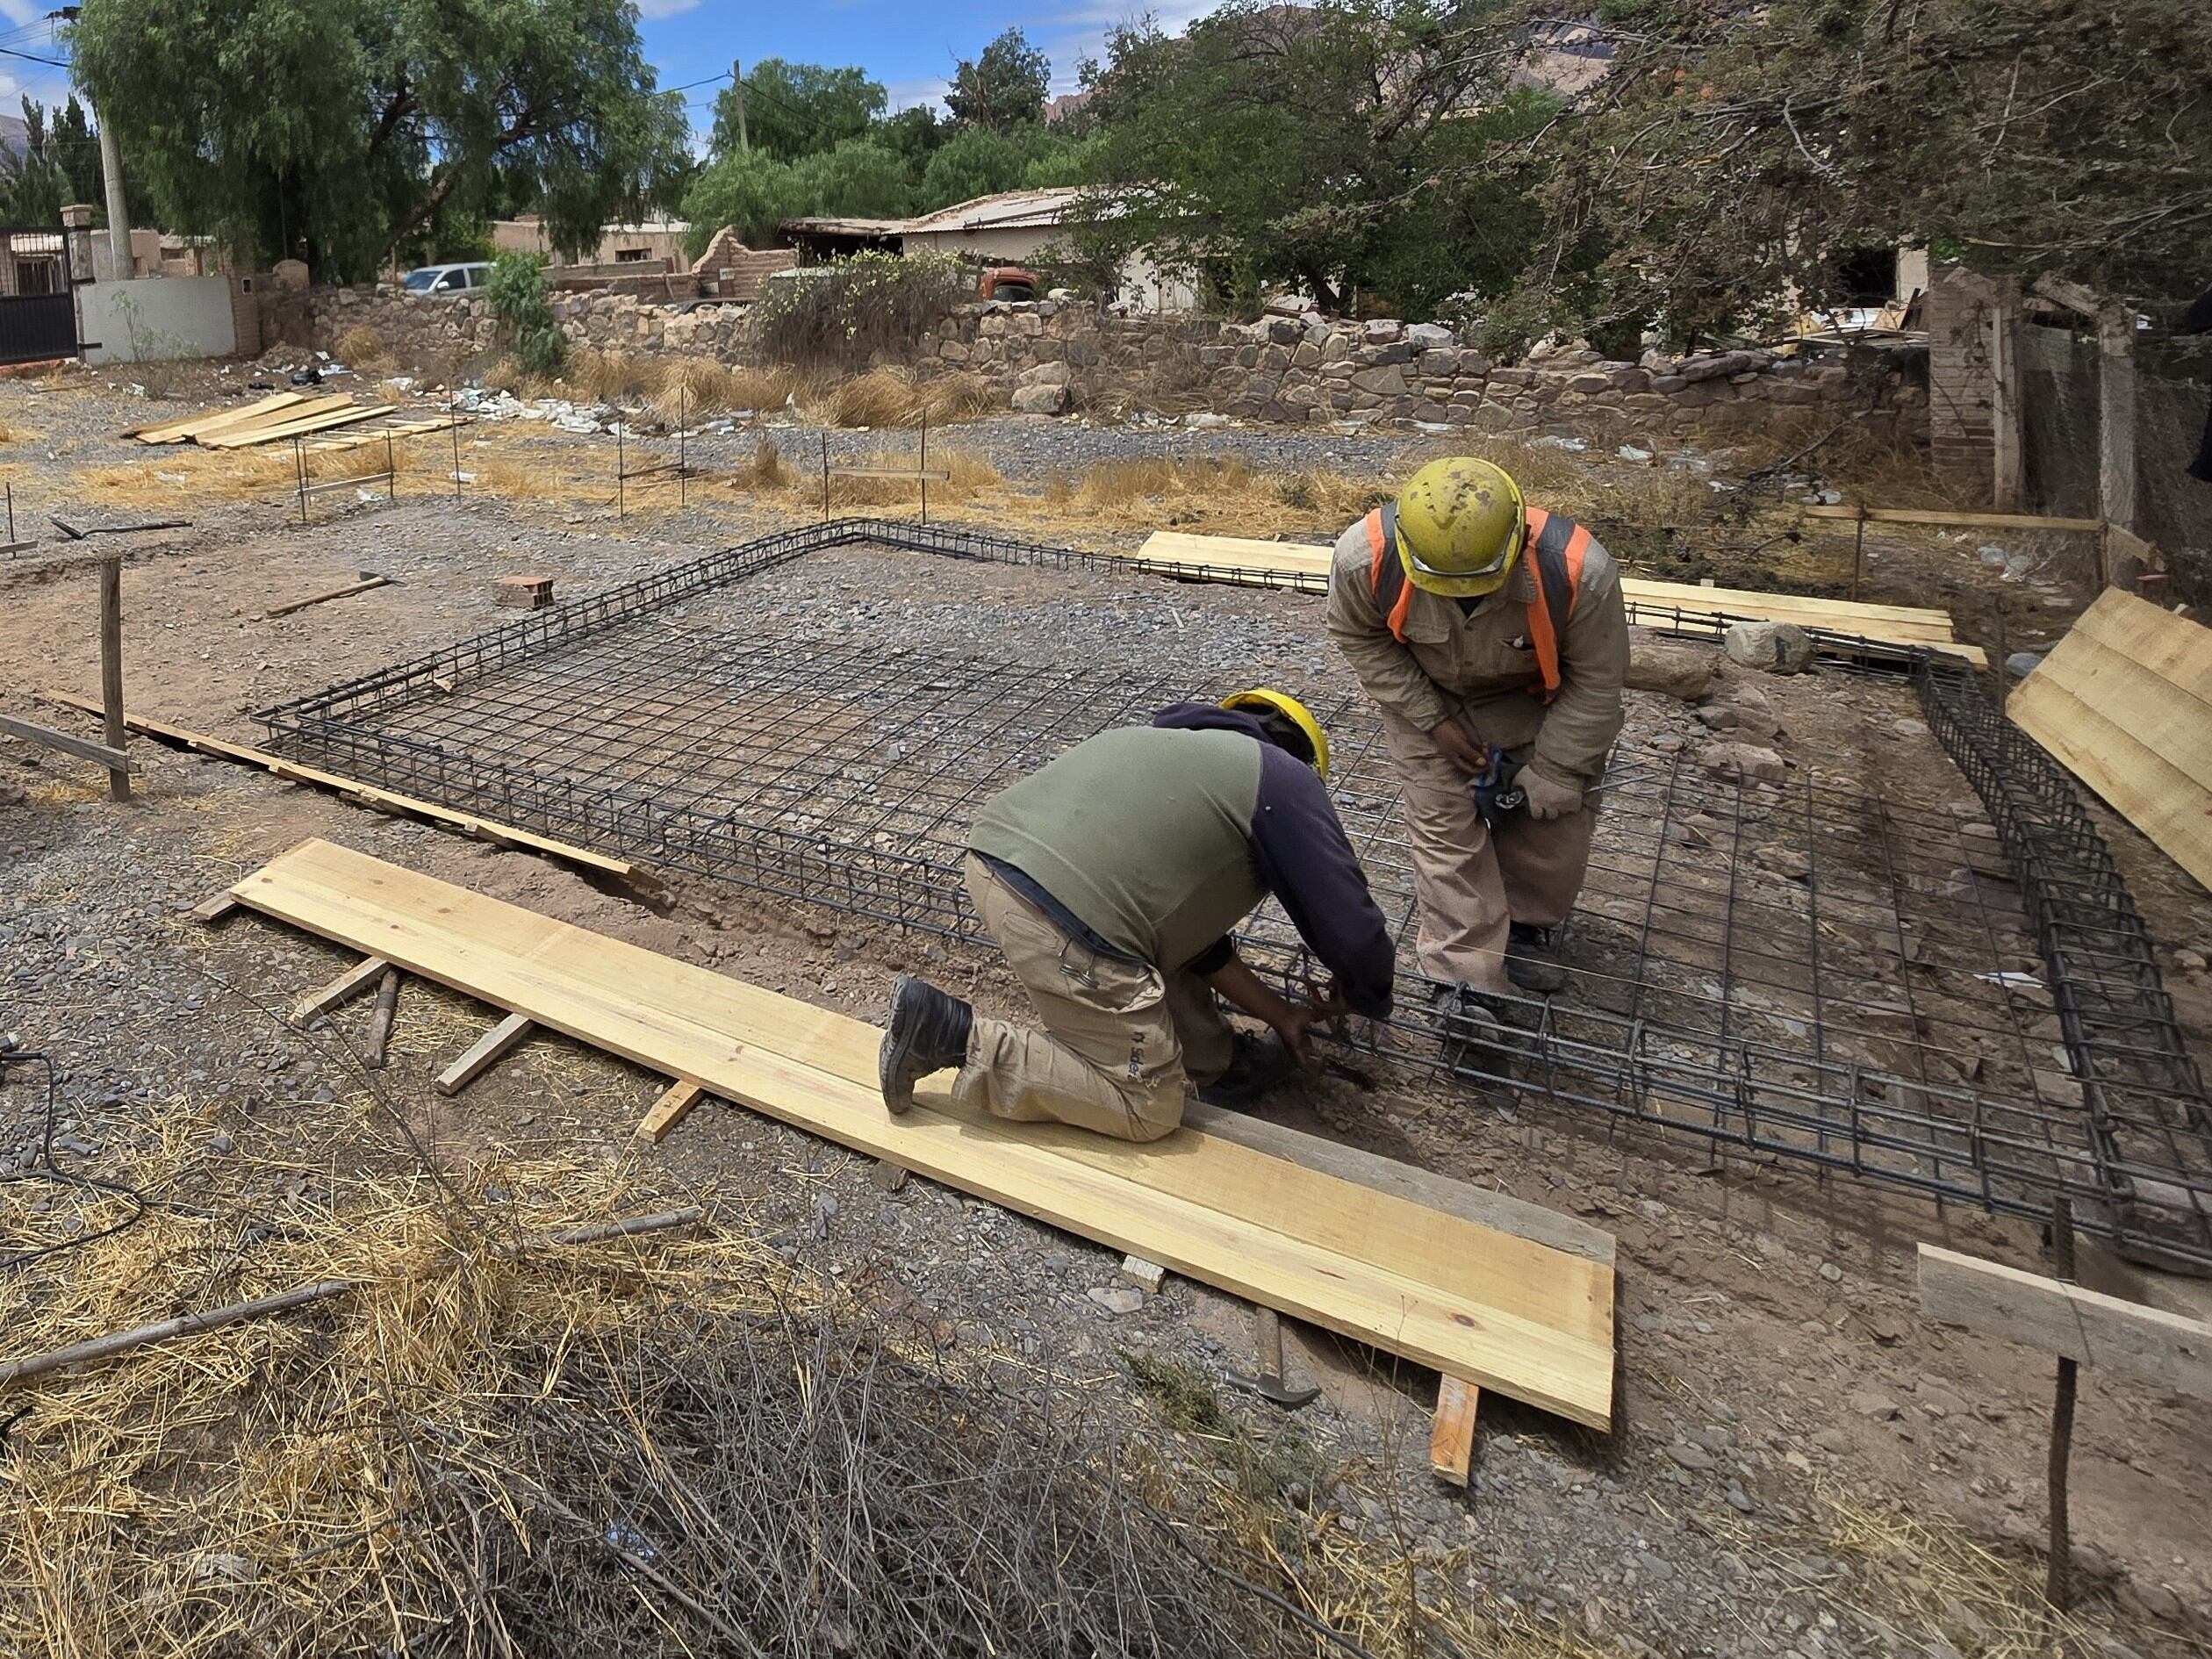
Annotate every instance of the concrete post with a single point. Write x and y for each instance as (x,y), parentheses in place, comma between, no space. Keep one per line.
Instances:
(2117,416)
(118,212)
(2008,447)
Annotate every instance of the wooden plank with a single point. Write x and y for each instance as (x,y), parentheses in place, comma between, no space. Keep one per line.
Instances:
(1176,552)
(2067,1319)
(670,1110)
(361,977)
(1452,1430)
(2125,702)
(483,1054)
(186,426)
(292,772)
(2116,483)
(1149,1274)
(1957,520)
(111,674)
(208,912)
(299,428)
(306,408)
(396,429)
(1500,1210)
(932,475)
(362,586)
(82,748)
(1532,1323)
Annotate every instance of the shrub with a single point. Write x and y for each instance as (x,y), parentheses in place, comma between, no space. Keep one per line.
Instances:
(516,294)
(840,315)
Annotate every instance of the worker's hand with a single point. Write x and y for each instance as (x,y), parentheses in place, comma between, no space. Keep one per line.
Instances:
(1546,798)
(1462,751)
(1296,1019)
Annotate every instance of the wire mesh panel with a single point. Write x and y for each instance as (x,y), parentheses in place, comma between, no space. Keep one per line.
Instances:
(1812,972)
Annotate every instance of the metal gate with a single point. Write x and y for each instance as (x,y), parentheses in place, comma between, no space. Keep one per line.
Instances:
(38,302)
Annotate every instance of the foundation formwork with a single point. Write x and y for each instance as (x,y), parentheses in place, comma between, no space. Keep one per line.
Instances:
(1965,1010)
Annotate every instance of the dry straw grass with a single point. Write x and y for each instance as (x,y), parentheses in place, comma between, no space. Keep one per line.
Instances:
(361,347)
(893,398)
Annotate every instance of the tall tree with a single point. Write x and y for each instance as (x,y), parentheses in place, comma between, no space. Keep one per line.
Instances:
(798,108)
(1351,148)
(340,129)
(1003,88)
(755,192)
(1732,150)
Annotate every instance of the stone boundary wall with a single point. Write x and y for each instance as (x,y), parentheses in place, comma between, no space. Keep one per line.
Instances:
(1053,358)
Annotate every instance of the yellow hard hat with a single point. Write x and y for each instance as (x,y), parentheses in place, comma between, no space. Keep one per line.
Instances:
(1265,701)
(1461,523)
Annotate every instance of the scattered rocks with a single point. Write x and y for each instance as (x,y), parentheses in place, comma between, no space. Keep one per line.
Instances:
(1116,1298)
(2019,664)
(1693,1458)
(1777,648)
(1874,1404)
(1744,762)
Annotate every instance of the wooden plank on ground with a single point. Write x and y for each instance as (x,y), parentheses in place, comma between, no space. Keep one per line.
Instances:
(2101,1332)
(208,912)
(1306,566)
(351,588)
(220,433)
(481,1055)
(673,1106)
(396,429)
(298,428)
(361,977)
(69,744)
(292,772)
(2125,702)
(1955,521)
(185,427)
(1452,1430)
(1532,1323)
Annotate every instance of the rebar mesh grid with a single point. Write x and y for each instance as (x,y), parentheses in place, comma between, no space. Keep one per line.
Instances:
(1824,976)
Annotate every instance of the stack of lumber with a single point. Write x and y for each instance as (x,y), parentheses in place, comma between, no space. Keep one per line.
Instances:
(391,429)
(1482,1304)
(285,414)
(1654,604)
(2125,702)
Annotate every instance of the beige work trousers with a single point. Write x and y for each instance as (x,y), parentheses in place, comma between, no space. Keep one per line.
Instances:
(1474,882)
(1120,1037)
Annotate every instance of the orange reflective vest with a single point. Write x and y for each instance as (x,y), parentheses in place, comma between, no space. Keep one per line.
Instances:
(1556,543)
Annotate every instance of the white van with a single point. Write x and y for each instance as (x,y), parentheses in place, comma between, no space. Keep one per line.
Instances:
(446,282)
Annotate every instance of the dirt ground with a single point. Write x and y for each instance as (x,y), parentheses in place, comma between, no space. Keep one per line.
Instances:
(1803,1464)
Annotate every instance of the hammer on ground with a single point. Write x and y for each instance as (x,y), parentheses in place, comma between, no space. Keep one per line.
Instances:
(1266,1336)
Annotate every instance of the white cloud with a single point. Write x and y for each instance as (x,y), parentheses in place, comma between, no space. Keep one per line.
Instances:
(904,95)
(24,13)
(1078,30)
(645,8)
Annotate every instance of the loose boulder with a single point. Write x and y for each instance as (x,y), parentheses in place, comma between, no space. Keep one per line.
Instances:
(1671,670)
(1778,647)
(1746,763)
(1043,399)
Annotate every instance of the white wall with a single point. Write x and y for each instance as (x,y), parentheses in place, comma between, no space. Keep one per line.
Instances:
(1143,286)
(162,316)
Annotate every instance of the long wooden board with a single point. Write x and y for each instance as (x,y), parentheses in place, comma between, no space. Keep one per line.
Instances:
(1496,1310)
(292,771)
(187,426)
(2125,702)
(322,421)
(1306,566)
(2057,1317)
(233,435)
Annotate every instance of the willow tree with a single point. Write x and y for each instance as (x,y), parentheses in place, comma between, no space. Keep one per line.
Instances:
(341,130)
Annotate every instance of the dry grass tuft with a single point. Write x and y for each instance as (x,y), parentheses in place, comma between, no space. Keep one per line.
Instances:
(959,397)
(611,376)
(504,374)
(879,397)
(361,347)
(973,475)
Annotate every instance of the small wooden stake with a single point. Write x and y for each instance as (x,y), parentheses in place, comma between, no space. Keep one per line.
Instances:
(209,911)
(1452,1434)
(669,1110)
(2059,1590)
(111,669)
(386,1010)
(353,982)
(485,1052)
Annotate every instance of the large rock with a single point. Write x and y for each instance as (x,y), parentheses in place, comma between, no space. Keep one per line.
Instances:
(1778,647)
(1669,669)
(1045,374)
(1428,336)
(1046,400)
(1744,763)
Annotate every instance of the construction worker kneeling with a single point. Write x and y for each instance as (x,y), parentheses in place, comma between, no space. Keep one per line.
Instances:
(1111,879)
(1493,637)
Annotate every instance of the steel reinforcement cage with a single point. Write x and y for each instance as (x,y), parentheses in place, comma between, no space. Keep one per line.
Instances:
(2126,1136)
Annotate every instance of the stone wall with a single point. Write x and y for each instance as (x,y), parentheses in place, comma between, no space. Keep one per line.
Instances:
(1050,358)
(1964,312)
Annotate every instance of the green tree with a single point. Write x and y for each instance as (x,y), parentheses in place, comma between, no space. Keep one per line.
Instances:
(340,128)
(797,109)
(978,162)
(858,179)
(1372,149)
(1003,88)
(1736,150)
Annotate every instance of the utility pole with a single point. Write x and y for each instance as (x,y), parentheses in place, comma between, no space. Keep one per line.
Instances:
(737,89)
(119,214)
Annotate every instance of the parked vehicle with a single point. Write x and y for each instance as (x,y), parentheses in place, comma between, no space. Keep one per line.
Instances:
(446,282)
(1009,281)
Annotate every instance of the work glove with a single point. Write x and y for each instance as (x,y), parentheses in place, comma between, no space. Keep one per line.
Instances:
(1547,799)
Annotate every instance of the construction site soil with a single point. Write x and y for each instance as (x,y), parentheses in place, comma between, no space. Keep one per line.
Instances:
(1803,1465)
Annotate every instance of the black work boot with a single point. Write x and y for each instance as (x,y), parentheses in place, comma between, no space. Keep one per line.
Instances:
(1256,1065)
(1532,960)
(929,1032)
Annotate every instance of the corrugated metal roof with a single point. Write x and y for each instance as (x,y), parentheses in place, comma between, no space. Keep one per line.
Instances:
(1010,210)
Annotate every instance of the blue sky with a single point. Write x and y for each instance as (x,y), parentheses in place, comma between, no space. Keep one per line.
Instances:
(911,48)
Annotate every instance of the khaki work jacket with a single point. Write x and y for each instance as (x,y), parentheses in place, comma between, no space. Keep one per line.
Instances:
(1479,664)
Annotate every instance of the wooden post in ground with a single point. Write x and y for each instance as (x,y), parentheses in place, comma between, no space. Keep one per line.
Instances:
(2007,435)
(2059,1590)
(111,669)
(2115,427)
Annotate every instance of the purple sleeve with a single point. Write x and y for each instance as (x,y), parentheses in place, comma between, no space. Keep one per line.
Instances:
(1303,857)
